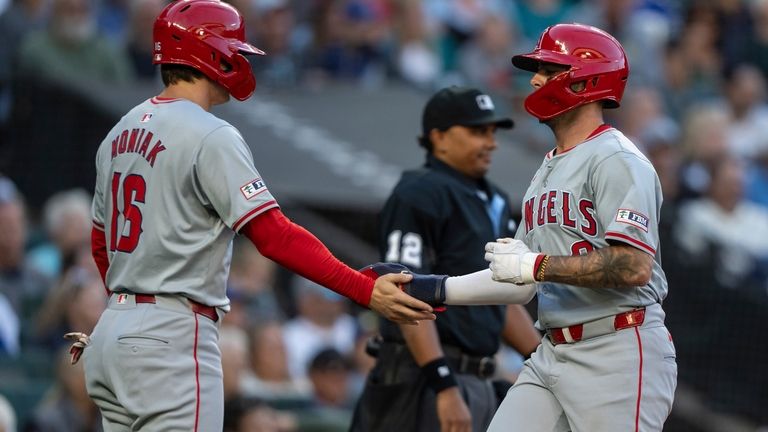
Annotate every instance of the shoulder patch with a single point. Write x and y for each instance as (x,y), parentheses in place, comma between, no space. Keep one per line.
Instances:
(632,217)
(253,188)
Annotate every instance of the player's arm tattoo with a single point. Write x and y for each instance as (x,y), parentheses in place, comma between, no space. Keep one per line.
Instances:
(610,267)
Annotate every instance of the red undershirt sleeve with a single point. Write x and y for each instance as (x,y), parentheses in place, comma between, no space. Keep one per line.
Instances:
(296,249)
(99,252)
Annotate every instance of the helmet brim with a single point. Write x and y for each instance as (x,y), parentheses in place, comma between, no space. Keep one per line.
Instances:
(245,48)
(533,60)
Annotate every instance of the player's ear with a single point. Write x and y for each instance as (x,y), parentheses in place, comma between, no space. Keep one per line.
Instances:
(437,137)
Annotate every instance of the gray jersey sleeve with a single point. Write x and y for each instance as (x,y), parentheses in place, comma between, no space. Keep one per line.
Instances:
(628,200)
(227,181)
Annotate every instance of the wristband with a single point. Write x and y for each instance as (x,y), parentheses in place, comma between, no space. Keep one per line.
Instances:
(541,264)
(439,376)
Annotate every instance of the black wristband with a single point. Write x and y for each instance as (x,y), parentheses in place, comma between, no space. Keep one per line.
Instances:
(439,375)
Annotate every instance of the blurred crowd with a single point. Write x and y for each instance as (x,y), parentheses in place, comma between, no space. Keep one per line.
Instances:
(294,353)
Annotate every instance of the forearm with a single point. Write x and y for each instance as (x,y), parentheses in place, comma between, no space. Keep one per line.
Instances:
(519,332)
(423,342)
(616,266)
(295,248)
(480,289)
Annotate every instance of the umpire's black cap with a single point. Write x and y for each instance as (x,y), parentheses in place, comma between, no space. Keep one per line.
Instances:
(460,106)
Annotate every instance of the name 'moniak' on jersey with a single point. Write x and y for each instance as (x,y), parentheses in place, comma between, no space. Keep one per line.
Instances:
(137,140)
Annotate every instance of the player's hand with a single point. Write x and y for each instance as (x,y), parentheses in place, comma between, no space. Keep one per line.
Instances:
(453,412)
(511,261)
(428,288)
(395,305)
(81,340)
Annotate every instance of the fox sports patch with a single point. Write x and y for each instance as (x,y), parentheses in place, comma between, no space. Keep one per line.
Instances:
(632,217)
(253,188)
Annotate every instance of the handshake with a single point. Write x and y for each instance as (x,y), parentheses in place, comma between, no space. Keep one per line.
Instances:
(428,288)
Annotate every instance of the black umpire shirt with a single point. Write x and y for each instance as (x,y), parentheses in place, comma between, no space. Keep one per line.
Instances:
(437,221)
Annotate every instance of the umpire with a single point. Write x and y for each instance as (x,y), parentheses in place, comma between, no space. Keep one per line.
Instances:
(437,376)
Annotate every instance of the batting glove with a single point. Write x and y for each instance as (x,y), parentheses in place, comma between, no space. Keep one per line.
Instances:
(81,340)
(428,288)
(511,261)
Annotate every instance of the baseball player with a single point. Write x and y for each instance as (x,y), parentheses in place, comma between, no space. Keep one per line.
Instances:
(174,184)
(588,243)
(439,216)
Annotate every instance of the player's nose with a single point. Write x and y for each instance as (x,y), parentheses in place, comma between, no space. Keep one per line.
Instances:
(538,80)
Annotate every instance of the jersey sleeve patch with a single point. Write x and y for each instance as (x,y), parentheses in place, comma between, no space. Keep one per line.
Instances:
(633,218)
(253,188)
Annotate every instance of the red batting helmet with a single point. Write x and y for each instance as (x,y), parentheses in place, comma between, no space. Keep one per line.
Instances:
(208,35)
(593,56)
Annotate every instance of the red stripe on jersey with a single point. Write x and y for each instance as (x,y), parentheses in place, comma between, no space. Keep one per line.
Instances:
(600,129)
(197,377)
(162,100)
(98,226)
(639,379)
(255,212)
(634,242)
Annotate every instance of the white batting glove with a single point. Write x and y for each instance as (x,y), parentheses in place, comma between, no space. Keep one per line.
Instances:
(80,341)
(511,261)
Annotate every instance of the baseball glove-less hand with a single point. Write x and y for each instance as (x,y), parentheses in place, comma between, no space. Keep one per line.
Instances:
(81,340)
(428,288)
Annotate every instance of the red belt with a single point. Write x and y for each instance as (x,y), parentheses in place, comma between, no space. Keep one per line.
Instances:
(198,308)
(575,332)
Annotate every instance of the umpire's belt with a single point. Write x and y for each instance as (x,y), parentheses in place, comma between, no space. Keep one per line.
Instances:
(460,362)
(609,324)
(198,308)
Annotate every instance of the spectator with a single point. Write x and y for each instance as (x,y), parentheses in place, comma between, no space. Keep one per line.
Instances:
(692,63)
(268,376)
(250,287)
(67,221)
(416,61)
(233,343)
(350,40)
(322,322)
(745,94)
(754,49)
(7,416)
(20,18)
(704,142)
(254,415)
(757,175)
(725,223)
(67,407)
(329,372)
(70,49)
(74,304)
(484,61)
(275,31)
(23,286)
(141,17)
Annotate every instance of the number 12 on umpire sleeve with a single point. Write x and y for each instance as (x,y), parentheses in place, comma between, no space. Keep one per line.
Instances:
(134,190)
(408,252)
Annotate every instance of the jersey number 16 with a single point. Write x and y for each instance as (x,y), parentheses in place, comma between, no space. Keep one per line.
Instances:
(134,189)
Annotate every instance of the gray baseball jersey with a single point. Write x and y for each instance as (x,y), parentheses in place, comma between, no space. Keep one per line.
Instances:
(603,190)
(173,182)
